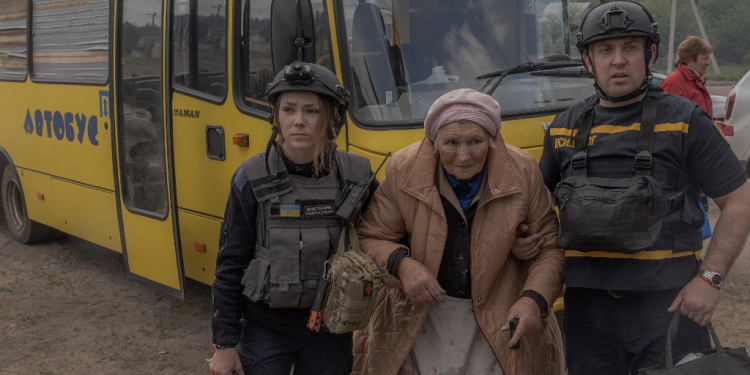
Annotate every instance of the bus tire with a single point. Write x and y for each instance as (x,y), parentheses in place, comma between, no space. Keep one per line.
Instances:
(22,229)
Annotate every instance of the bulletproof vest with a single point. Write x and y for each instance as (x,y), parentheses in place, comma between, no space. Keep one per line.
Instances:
(622,215)
(296,227)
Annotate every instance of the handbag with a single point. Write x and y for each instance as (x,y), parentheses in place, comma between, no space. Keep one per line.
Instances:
(354,284)
(713,361)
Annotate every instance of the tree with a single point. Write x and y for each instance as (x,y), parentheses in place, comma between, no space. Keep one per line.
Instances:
(726,24)
(130,37)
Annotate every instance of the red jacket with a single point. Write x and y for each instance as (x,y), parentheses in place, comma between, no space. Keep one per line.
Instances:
(685,83)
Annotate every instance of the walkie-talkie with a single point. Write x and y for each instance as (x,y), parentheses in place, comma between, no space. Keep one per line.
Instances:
(356,193)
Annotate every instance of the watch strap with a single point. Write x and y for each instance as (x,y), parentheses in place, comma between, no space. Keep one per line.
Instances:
(227,346)
(708,281)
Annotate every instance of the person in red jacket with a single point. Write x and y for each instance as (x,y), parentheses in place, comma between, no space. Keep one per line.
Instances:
(689,80)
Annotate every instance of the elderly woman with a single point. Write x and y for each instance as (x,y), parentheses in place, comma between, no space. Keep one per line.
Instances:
(689,79)
(443,225)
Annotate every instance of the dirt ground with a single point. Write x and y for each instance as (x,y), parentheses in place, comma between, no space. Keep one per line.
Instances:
(67,308)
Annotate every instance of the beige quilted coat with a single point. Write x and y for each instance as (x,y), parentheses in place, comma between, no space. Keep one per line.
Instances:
(407,205)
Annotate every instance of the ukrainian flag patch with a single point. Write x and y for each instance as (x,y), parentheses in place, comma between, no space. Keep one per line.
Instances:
(290,210)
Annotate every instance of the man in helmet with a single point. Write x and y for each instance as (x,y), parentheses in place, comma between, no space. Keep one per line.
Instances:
(279,229)
(623,281)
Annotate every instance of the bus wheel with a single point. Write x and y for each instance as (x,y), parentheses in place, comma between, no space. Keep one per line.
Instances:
(22,229)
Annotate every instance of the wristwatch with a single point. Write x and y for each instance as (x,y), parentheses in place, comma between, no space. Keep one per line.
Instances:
(712,277)
(219,346)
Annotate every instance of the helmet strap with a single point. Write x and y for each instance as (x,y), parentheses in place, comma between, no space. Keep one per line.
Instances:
(339,121)
(271,143)
(619,99)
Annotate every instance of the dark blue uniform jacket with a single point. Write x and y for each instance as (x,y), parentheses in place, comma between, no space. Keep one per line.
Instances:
(688,152)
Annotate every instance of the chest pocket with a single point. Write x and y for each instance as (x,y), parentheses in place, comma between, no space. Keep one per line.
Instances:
(298,251)
(303,232)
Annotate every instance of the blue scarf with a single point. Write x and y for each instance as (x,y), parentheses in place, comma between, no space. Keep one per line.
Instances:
(465,190)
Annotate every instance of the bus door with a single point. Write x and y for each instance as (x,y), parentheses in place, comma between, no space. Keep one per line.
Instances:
(144,167)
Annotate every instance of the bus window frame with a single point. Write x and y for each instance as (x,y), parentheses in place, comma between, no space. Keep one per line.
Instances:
(347,75)
(118,152)
(30,51)
(237,78)
(193,93)
(28,38)
(362,123)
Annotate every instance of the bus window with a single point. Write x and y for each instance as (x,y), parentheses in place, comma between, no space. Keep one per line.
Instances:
(141,130)
(256,62)
(200,44)
(70,41)
(13,41)
(405,54)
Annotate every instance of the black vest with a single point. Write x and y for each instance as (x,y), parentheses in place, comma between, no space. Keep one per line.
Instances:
(455,267)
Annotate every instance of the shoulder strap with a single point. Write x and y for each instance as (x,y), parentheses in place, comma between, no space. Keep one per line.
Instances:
(646,134)
(266,187)
(643,158)
(353,168)
(349,240)
(587,111)
(586,114)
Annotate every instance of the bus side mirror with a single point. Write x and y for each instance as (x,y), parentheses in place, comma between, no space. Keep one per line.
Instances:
(285,42)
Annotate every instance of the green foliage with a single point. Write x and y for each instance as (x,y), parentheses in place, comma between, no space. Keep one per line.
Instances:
(130,37)
(729,72)
(727,24)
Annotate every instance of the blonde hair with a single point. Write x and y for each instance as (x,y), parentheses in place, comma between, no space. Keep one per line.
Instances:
(323,147)
(691,47)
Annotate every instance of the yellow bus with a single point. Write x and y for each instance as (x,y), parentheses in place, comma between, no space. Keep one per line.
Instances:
(124,120)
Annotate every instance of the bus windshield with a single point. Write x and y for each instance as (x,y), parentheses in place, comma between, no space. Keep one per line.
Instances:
(404,54)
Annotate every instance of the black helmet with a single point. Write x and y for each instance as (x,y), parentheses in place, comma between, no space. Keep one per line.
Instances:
(302,76)
(617,19)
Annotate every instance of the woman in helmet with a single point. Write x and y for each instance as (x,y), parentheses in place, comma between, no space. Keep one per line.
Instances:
(279,228)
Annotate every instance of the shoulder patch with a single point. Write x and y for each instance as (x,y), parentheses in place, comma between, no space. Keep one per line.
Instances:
(724,129)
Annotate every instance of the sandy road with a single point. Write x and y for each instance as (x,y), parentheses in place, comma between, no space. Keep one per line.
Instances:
(67,308)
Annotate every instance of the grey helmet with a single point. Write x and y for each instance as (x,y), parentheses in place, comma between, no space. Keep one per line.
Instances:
(619,19)
(302,76)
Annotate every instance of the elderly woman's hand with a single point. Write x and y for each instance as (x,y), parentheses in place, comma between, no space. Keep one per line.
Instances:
(529,318)
(389,280)
(526,248)
(419,283)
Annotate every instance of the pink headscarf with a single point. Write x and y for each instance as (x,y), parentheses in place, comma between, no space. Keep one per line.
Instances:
(463,104)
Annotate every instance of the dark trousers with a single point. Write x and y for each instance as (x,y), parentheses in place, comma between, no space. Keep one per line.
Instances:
(617,333)
(265,351)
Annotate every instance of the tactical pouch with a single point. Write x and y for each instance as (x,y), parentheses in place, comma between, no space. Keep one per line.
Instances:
(607,214)
(255,278)
(354,285)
